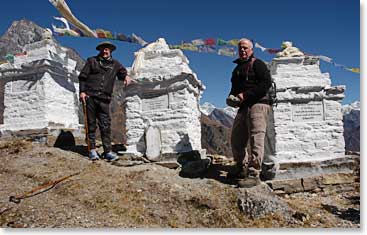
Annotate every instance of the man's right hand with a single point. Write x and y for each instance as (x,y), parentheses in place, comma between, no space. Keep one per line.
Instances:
(128,80)
(83,96)
(233,101)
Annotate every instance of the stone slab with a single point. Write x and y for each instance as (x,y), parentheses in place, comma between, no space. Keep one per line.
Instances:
(153,143)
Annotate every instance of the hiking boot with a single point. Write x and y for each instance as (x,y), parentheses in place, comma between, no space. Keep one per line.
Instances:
(249,182)
(93,155)
(110,157)
(237,172)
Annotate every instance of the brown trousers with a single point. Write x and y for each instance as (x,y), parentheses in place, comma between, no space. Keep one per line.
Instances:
(250,123)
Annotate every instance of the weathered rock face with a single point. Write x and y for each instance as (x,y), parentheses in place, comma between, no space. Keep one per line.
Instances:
(260,201)
(166,97)
(215,137)
(351,118)
(221,116)
(216,124)
(19,34)
(24,32)
(40,90)
(308,125)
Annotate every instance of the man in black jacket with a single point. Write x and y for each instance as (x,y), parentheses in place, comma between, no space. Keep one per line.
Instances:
(251,81)
(96,81)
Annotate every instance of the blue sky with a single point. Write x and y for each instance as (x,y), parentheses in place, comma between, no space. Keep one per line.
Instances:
(322,27)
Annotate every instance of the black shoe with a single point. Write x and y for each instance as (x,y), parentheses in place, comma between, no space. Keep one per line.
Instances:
(237,173)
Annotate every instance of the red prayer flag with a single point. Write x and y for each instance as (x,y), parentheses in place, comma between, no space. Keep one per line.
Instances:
(210,42)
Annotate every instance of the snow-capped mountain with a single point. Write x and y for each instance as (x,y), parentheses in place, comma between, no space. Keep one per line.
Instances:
(225,116)
(349,107)
(230,111)
(207,108)
(351,118)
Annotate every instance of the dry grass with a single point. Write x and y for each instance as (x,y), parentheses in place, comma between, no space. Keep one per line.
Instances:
(144,196)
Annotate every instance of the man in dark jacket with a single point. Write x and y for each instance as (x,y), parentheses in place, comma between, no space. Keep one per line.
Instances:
(96,81)
(251,81)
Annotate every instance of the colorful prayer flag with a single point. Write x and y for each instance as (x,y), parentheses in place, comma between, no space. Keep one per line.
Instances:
(100,33)
(325,58)
(121,37)
(233,42)
(10,58)
(210,42)
(221,42)
(354,70)
(198,42)
(226,51)
(257,45)
(108,35)
(272,50)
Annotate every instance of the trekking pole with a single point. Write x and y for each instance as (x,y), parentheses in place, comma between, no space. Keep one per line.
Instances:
(86,124)
(18,198)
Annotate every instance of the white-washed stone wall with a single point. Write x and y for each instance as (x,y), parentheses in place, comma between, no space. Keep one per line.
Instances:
(39,89)
(295,72)
(61,102)
(167,97)
(24,105)
(45,49)
(175,112)
(308,119)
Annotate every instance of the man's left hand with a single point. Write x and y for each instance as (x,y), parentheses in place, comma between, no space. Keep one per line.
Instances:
(242,97)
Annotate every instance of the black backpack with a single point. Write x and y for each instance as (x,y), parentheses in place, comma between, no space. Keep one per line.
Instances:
(271,95)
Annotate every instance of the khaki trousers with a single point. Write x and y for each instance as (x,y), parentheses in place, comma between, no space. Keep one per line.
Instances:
(250,123)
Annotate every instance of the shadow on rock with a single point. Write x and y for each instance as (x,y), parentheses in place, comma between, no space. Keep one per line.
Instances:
(195,167)
(83,150)
(64,139)
(219,173)
(349,214)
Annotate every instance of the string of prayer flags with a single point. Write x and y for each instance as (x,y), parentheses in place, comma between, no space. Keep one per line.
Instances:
(269,50)
(232,42)
(21,54)
(321,57)
(65,11)
(9,58)
(330,60)
(209,45)
(66,30)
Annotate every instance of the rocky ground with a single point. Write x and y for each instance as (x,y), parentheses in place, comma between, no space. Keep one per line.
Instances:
(150,196)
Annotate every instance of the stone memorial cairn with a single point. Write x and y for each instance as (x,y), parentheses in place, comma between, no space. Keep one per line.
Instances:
(40,93)
(307,128)
(162,108)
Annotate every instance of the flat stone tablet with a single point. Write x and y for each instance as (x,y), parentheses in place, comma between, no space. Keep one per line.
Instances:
(153,143)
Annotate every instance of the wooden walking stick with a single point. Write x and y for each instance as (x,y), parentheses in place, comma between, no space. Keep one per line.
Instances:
(35,191)
(86,124)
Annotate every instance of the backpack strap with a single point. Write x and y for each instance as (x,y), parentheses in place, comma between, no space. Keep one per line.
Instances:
(251,65)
